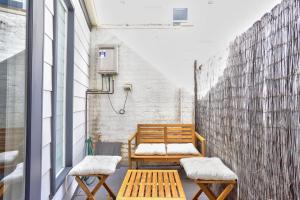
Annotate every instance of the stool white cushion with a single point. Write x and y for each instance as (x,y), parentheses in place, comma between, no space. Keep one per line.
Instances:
(207,169)
(185,148)
(151,149)
(94,165)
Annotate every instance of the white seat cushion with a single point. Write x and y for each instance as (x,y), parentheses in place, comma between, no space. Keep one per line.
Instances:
(93,165)
(185,148)
(207,169)
(151,149)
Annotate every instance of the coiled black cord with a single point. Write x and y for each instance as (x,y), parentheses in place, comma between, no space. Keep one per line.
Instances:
(121,111)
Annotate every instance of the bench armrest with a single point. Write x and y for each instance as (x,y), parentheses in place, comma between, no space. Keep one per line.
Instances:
(203,143)
(133,136)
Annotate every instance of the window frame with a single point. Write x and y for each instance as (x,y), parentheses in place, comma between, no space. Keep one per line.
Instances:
(34,98)
(57,181)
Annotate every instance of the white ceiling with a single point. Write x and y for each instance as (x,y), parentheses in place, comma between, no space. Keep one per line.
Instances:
(174,50)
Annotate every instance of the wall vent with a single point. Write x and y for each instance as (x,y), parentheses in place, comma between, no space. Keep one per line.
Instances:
(180,16)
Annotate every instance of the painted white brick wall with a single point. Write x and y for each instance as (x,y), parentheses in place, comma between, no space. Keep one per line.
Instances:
(12,31)
(81,83)
(154,99)
(12,62)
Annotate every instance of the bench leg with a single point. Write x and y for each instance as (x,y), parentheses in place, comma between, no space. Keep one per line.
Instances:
(130,163)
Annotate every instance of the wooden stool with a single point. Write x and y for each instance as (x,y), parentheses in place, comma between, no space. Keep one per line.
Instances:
(97,166)
(209,171)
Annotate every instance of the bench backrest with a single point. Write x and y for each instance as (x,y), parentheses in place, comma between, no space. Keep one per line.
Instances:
(166,133)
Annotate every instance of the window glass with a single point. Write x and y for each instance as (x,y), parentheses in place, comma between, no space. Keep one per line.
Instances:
(16,4)
(61,81)
(12,98)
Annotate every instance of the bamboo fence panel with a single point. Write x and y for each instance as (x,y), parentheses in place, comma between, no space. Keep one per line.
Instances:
(251,116)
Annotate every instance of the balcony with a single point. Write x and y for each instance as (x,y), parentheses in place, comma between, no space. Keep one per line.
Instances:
(213,81)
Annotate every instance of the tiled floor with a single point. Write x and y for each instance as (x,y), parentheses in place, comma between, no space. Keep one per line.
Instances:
(115,181)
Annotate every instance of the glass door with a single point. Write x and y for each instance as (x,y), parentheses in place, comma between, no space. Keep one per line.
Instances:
(12,98)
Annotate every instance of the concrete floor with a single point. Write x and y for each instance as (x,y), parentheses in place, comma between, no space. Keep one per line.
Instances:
(115,181)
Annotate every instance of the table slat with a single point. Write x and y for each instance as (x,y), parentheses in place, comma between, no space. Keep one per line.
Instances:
(149,184)
(179,185)
(136,184)
(142,186)
(160,185)
(166,184)
(154,185)
(173,185)
(130,184)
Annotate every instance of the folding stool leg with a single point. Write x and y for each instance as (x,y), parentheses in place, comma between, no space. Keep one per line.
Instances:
(2,189)
(89,195)
(111,194)
(226,192)
(99,184)
(204,185)
(197,195)
(207,191)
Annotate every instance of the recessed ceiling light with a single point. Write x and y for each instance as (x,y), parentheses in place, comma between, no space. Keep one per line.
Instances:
(210,2)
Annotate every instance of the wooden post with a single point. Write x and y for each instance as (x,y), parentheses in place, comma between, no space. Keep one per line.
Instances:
(195,90)
(196,71)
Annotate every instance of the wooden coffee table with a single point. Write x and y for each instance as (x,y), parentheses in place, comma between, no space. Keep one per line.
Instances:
(151,184)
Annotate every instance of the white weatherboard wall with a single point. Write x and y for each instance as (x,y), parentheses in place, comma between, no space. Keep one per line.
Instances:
(81,83)
(154,98)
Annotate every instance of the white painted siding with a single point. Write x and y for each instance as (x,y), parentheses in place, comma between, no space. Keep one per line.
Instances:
(47,113)
(81,83)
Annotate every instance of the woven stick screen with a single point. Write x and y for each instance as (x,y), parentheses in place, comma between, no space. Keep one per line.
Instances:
(251,117)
